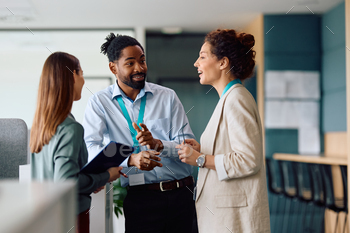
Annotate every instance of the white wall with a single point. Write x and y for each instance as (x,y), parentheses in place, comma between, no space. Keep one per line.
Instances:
(22,58)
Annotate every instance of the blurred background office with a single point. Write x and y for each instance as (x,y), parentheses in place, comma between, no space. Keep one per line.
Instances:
(299,81)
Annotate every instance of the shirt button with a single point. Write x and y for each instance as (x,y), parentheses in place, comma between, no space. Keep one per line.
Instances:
(160,177)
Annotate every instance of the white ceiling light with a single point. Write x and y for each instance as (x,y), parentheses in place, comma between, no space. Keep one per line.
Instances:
(19,11)
(15,18)
(171,30)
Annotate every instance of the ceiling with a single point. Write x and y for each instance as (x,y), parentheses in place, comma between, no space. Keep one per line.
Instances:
(189,15)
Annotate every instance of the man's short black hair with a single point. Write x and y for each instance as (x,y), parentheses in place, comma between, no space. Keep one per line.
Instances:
(115,44)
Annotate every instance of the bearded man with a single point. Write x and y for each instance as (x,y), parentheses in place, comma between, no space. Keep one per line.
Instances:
(152,119)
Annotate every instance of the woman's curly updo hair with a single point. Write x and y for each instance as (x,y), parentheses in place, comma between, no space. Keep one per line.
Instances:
(237,47)
(115,44)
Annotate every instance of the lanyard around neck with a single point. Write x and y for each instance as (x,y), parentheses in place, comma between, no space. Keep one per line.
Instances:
(229,85)
(128,119)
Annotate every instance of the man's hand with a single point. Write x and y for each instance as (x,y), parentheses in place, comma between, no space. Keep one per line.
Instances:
(145,138)
(145,160)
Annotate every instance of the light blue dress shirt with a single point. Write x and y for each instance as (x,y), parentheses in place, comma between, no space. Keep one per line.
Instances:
(164,117)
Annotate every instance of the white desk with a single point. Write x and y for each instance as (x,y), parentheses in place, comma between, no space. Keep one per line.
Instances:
(37,207)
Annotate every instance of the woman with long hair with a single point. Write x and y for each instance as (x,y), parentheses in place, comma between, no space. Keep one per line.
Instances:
(57,140)
(231,188)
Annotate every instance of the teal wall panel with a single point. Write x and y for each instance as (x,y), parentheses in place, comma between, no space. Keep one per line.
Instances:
(335,21)
(293,43)
(172,55)
(333,107)
(334,111)
(283,61)
(276,141)
(293,34)
(333,70)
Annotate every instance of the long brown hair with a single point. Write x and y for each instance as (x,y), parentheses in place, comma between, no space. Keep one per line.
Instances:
(55,98)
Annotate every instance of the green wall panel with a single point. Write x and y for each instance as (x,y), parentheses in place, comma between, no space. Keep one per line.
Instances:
(333,107)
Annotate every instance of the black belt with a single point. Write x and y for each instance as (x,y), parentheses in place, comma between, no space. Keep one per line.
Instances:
(164,185)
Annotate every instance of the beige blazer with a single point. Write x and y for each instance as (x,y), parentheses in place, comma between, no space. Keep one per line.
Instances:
(239,202)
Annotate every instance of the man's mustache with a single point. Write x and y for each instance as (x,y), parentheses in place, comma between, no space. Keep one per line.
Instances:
(144,75)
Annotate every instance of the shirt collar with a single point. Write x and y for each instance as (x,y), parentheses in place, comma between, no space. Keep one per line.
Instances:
(117,91)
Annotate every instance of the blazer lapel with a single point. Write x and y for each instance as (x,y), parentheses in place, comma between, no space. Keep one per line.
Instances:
(207,143)
(208,138)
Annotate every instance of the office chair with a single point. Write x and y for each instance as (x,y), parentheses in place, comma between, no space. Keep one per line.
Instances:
(318,196)
(344,174)
(290,191)
(275,187)
(330,200)
(304,193)
(13,147)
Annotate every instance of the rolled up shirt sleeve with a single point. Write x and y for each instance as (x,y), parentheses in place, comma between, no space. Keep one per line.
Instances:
(220,167)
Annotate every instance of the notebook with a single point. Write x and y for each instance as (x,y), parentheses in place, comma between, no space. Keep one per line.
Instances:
(112,155)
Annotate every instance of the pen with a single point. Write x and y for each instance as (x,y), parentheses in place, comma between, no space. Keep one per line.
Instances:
(123,174)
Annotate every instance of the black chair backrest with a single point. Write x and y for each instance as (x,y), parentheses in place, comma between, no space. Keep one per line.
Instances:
(272,178)
(290,187)
(328,187)
(302,175)
(317,188)
(344,174)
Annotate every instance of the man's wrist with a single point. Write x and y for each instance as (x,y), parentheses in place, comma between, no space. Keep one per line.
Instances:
(130,161)
(158,145)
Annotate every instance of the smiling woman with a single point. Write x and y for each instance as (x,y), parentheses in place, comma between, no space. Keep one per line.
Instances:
(231,187)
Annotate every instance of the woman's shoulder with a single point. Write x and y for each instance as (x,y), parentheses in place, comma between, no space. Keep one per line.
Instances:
(70,126)
(240,100)
(239,92)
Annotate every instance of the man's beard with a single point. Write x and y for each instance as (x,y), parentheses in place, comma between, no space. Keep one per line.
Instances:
(135,84)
